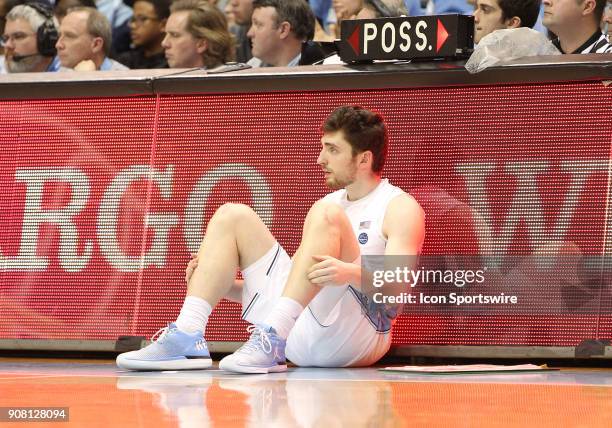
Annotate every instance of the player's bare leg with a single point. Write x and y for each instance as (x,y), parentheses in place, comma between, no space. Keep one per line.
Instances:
(235,237)
(327,231)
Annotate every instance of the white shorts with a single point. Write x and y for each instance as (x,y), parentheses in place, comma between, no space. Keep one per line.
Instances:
(333,331)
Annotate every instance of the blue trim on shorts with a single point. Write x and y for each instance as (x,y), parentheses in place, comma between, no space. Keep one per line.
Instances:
(274,259)
(315,318)
(381,316)
(250,305)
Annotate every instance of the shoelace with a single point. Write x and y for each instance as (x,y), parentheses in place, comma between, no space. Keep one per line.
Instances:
(162,332)
(253,345)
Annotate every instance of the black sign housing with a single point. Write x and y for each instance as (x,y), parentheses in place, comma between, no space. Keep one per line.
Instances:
(435,36)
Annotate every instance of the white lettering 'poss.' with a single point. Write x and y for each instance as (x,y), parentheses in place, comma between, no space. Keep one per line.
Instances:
(370,32)
(421,25)
(261,196)
(108,219)
(387,29)
(34,216)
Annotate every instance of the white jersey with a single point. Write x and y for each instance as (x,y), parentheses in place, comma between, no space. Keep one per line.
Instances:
(367,215)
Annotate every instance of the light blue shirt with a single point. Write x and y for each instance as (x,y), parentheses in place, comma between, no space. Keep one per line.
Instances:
(109,64)
(295,61)
(414,7)
(115,10)
(55,65)
(453,6)
(320,8)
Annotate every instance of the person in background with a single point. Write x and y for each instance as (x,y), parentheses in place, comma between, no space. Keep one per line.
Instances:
(278,30)
(242,12)
(492,15)
(606,20)
(197,36)
(147,27)
(85,41)
(381,9)
(29,38)
(577,25)
(118,14)
(345,9)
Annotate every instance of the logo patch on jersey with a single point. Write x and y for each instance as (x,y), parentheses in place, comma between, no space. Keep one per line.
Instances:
(363,238)
(364,224)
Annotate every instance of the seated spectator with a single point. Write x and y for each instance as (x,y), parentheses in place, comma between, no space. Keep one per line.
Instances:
(606,20)
(537,26)
(491,15)
(576,24)
(344,9)
(29,39)
(197,36)
(63,6)
(118,14)
(85,41)
(242,11)
(381,9)
(3,11)
(5,7)
(279,27)
(147,31)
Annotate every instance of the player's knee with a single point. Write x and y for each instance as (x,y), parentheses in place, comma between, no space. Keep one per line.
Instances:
(326,213)
(233,212)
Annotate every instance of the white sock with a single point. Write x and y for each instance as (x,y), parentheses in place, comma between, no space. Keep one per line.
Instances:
(283,316)
(194,315)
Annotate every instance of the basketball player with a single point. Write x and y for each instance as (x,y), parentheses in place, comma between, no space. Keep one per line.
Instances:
(310,308)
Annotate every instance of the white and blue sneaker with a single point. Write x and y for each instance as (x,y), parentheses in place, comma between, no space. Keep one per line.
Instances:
(172,350)
(264,352)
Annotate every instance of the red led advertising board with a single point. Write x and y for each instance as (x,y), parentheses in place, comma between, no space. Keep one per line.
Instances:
(104,199)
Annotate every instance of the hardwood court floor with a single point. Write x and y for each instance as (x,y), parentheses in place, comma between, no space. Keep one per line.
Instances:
(99,395)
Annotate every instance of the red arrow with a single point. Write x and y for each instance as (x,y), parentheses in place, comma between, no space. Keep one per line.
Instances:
(354,39)
(442,36)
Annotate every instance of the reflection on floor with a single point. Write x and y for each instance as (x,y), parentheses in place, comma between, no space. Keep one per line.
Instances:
(99,395)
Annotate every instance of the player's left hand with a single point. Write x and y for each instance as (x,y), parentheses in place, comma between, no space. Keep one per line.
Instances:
(329,271)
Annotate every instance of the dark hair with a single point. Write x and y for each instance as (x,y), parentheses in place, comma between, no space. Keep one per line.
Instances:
(600,5)
(527,10)
(296,12)
(61,9)
(162,7)
(363,129)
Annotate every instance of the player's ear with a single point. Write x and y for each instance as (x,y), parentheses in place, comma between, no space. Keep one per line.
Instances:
(366,157)
(514,22)
(588,7)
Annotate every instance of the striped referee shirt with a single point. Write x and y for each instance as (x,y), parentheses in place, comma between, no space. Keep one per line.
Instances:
(597,43)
